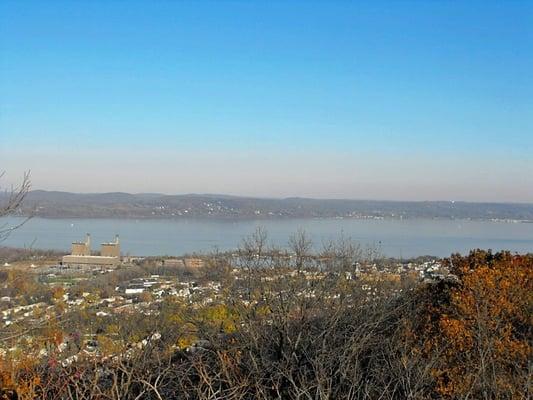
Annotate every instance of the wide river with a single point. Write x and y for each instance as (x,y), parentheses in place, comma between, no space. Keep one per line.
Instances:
(395,238)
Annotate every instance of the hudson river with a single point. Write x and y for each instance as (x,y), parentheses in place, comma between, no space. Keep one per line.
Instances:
(395,238)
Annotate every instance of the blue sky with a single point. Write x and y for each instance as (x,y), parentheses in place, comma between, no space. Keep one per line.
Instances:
(397,100)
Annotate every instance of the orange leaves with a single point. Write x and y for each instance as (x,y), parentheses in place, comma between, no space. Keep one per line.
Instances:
(485,325)
(19,378)
(457,332)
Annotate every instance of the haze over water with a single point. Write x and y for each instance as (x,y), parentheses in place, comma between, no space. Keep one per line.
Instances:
(395,238)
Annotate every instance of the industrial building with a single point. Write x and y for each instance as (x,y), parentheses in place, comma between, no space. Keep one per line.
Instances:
(81,254)
(190,263)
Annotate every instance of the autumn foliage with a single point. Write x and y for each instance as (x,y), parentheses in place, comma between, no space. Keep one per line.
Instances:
(482,327)
(465,337)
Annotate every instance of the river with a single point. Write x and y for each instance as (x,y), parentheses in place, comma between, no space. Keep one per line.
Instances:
(395,238)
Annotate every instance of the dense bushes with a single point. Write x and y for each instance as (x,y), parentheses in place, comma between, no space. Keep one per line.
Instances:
(299,338)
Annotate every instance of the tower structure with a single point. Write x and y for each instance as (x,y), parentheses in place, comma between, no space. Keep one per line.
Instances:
(111,249)
(82,248)
(81,257)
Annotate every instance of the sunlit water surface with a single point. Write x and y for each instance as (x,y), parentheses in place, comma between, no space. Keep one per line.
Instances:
(395,238)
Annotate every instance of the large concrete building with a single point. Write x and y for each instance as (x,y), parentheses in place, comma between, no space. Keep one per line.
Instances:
(111,249)
(82,248)
(81,254)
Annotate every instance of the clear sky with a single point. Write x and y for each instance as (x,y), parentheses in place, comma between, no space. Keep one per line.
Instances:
(387,100)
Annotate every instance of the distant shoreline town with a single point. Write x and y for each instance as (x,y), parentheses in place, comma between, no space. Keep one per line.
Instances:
(49,204)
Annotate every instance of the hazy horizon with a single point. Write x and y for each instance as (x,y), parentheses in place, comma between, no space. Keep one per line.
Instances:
(380,100)
(237,195)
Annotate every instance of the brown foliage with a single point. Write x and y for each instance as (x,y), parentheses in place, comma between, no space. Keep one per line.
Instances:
(482,327)
(463,338)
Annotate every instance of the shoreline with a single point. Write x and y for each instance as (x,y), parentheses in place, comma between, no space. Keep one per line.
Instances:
(272,218)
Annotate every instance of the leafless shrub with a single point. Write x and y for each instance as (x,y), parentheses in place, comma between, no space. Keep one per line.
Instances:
(10,202)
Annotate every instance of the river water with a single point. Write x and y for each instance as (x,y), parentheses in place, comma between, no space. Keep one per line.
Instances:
(395,238)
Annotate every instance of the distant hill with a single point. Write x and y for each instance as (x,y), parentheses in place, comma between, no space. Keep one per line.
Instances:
(153,205)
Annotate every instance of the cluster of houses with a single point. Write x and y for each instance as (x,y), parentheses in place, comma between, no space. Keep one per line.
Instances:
(143,295)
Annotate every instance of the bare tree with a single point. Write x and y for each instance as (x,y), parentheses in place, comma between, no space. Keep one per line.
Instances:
(301,244)
(10,202)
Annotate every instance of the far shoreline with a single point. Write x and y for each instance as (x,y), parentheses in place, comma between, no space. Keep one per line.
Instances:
(273,218)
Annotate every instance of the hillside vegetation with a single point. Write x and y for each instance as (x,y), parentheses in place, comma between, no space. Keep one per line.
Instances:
(125,205)
(464,337)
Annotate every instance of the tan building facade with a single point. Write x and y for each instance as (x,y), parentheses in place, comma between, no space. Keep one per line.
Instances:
(111,249)
(81,261)
(82,248)
(81,254)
